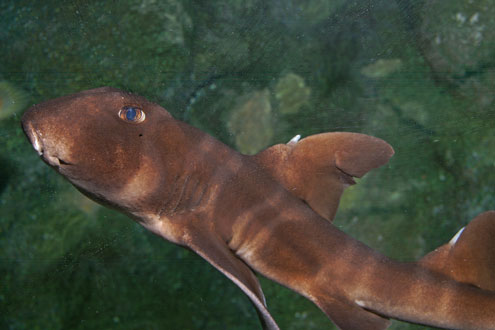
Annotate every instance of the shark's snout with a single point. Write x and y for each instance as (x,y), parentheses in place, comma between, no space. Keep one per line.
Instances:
(35,136)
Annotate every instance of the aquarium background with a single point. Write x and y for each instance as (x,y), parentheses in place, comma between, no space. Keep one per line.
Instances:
(418,74)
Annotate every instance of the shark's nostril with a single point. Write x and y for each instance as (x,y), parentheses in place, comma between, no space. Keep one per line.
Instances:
(33,137)
(37,144)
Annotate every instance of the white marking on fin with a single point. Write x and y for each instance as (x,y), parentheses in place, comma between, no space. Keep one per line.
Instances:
(294,139)
(456,236)
(360,303)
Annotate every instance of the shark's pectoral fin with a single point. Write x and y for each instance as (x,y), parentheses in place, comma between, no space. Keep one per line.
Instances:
(349,316)
(319,167)
(209,246)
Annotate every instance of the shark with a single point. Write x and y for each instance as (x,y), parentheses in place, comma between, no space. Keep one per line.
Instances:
(269,213)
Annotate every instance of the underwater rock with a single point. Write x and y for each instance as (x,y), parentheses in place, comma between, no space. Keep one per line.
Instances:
(458,37)
(12,100)
(382,68)
(291,93)
(228,35)
(480,89)
(251,122)
(295,14)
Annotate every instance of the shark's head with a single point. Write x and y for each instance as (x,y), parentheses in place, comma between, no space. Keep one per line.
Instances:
(102,140)
(129,153)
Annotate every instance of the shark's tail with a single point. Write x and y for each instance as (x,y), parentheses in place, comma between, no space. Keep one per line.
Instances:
(469,257)
(374,287)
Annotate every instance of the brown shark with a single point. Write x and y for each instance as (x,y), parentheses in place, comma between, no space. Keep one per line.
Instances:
(270,213)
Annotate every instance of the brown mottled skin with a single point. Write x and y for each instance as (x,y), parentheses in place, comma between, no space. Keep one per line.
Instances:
(270,213)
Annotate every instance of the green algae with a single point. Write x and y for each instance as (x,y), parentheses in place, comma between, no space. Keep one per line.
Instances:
(291,93)
(251,122)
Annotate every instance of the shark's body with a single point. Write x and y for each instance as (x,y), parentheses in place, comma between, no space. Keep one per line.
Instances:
(270,213)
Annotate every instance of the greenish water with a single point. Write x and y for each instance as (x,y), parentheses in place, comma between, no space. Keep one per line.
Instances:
(252,73)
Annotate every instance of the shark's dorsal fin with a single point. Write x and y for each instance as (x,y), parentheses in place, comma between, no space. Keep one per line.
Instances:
(318,168)
(469,256)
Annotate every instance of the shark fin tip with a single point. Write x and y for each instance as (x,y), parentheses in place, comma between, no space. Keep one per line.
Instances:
(294,140)
(456,237)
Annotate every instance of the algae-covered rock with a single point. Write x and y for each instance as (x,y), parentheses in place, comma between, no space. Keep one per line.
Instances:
(295,12)
(174,20)
(291,93)
(479,89)
(251,122)
(458,37)
(89,44)
(382,68)
(12,100)
(226,36)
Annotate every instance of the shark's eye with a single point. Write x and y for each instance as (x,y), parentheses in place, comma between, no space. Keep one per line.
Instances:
(132,114)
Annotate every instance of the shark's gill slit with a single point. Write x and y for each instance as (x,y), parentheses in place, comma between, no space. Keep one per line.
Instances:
(181,194)
(201,195)
(165,208)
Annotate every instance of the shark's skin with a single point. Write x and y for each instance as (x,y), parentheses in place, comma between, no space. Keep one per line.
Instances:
(270,213)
